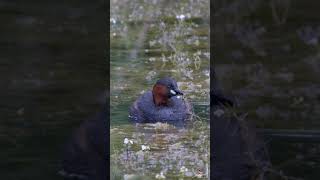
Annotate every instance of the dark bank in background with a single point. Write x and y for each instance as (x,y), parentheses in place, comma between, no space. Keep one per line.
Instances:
(54,75)
(266,54)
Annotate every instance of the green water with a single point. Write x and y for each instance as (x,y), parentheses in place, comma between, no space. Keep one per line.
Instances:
(150,40)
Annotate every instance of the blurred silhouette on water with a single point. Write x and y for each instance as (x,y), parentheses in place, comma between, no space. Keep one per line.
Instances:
(85,154)
(237,151)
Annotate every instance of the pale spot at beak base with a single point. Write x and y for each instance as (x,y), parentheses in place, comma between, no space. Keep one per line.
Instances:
(173,92)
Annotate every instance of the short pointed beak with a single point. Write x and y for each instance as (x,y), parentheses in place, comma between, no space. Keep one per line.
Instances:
(175,92)
(178,92)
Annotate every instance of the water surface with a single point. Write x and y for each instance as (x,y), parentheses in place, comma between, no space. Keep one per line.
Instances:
(150,40)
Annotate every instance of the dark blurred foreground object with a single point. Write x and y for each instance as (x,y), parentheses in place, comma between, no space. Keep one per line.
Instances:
(216,96)
(85,156)
(238,154)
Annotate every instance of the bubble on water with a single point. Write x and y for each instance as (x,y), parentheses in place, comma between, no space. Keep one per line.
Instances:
(151,75)
(206,73)
(181,17)
(160,176)
(152,59)
(183,169)
(207,54)
(145,147)
(152,43)
(125,141)
(113,21)
(129,176)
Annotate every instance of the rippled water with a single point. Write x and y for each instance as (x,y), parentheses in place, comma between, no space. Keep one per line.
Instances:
(149,40)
